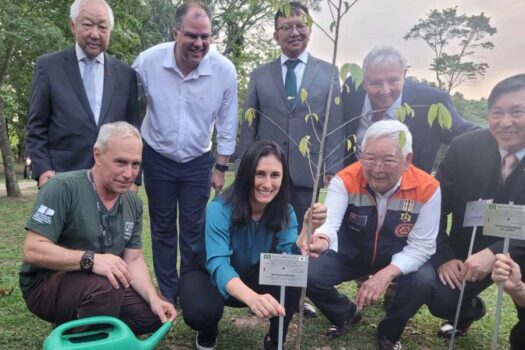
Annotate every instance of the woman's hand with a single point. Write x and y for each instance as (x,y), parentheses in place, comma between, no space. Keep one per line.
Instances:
(318,216)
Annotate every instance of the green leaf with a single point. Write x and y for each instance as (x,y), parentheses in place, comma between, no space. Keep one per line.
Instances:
(351,143)
(306,117)
(432,114)
(357,74)
(304,95)
(402,139)
(253,3)
(309,21)
(276,5)
(401,113)
(316,117)
(250,116)
(344,71)
(304,146)
(444,117)
(332,26)
(287,9)
(337,100)
(410,110)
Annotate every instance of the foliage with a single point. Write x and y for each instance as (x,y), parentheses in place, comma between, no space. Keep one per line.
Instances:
(454,39)
(474,111)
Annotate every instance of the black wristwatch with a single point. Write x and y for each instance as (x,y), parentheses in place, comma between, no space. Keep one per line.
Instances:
(222,168)
(86,261)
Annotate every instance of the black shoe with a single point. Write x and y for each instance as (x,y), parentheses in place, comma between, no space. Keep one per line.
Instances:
(269,344)
(385,344)
(447,328)
(309,310)
(205,341)
(353,317)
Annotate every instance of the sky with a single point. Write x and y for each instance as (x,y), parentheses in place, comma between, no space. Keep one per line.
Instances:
(384,22)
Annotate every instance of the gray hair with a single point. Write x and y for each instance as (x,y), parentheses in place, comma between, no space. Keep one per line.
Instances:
(385,56)
(107,131)
(74,10)
(390,129)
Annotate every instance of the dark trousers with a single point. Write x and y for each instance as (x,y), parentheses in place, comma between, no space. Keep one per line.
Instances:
(173,186)
(66,296)
(517,336)
(202,304)
(300,198)
(332,268)
(444,300)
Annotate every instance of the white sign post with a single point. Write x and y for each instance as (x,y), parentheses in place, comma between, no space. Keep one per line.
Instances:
(474,214)
(284,270)
(507,221)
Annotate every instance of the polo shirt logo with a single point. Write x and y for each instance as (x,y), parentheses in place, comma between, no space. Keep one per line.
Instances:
(128,230)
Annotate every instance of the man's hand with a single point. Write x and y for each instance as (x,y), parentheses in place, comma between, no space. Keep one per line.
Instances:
(318,244)
(372,289)
(478,266)
(450,273)
(165,310)
(506,271)
(114,268)
(44,177)
(318,216)
(265,306)
(217,181)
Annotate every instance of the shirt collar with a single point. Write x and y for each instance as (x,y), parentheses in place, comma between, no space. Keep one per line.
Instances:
(204,67)
(303,57)
(81,54)
(390,112)
(520,154)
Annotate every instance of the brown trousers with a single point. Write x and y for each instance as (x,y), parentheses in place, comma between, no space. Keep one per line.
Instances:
(66,296)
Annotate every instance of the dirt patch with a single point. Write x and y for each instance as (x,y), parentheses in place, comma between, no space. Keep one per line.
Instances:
(27,187)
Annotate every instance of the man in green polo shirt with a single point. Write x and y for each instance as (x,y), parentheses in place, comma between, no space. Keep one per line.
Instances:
(82,251)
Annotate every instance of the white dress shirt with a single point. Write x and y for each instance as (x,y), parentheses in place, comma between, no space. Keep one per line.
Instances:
(99,77)
(183,110)
(299,69)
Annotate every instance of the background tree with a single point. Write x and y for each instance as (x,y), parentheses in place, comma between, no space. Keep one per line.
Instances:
(454,39)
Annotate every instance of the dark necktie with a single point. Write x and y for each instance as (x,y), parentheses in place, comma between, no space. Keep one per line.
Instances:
(290,82)
(89,82)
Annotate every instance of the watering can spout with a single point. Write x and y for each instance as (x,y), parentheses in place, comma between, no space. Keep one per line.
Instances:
(156,337)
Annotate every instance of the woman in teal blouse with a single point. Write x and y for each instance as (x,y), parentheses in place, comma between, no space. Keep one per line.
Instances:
(251,217)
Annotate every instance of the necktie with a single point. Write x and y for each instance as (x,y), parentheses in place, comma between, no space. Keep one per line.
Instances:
(290,82)
(509,163)
(89,82)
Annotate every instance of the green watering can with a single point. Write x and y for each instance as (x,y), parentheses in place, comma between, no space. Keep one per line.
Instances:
(117,336)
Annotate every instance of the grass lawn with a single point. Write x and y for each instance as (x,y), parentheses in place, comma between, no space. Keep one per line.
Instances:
(19,329)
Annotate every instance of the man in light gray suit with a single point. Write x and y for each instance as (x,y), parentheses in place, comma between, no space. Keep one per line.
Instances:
(274,92)
(75,92)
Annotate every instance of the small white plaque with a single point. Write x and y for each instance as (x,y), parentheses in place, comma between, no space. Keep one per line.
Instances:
(283,270)
(505,220)
(474,214)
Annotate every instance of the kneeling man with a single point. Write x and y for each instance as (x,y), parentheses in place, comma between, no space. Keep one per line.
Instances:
(82,251)
(383,218)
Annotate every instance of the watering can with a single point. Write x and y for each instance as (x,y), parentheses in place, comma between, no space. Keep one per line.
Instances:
(116,336)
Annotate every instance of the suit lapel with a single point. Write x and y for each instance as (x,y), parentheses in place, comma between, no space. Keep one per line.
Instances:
(73,73)
(276,72)
(107,92)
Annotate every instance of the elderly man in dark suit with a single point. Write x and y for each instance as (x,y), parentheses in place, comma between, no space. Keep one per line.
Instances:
(384,89)
(486,164)
(75,92)
(274,91)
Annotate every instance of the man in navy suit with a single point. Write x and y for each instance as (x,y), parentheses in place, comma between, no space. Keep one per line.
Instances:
(384,89)
(75,92)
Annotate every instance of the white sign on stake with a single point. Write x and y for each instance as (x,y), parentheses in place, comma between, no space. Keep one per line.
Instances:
(283,270)
(505,220)
(474,213)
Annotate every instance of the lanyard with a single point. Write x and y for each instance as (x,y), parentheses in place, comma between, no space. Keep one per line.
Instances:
(105,238)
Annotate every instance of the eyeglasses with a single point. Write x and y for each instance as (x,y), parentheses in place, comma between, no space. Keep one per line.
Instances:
(386,164)
(106,240)
(288,28)
(195,36)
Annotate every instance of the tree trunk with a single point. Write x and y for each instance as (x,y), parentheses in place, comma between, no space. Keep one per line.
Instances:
(11,183)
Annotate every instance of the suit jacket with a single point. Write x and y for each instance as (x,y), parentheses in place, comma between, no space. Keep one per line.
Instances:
(426,140)
(61,128)
(472,170)
(286,125)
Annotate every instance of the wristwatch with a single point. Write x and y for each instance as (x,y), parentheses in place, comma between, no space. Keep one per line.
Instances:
(86,261)
(222,168)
